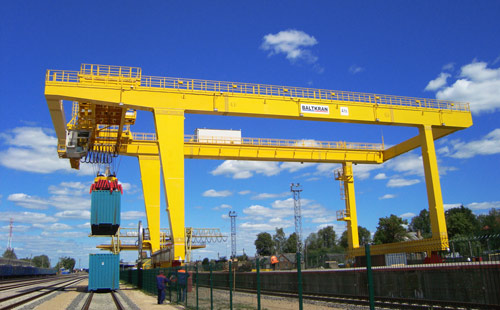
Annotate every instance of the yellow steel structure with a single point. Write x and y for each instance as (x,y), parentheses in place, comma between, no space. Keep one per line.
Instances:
(145,147)
(120,91)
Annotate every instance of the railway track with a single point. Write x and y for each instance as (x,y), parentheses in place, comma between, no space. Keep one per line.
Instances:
(26,282)
(380,302)
(20,298)
(24,279)
(88,301)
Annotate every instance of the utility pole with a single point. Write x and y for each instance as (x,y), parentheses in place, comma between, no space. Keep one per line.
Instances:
(232,215)
(296,189)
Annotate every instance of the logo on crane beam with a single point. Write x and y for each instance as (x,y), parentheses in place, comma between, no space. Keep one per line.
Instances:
(316,109)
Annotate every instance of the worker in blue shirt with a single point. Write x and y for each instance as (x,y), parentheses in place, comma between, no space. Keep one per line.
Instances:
(161,282)
(182,276)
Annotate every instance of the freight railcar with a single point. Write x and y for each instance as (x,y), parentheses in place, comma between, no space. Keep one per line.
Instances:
(10,271)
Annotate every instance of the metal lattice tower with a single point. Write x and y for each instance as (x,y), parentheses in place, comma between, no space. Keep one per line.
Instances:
(296,189)
(232,215)
(9,243)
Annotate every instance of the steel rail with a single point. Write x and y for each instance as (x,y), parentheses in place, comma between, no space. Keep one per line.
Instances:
(117,302)
(17,280)
(380,302)
(88,301)
(25,282)
(50,288)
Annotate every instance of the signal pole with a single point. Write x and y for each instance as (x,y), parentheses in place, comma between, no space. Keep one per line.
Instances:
(232,215)
(296,189)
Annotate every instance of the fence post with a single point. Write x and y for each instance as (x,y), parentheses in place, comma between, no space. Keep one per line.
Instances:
(184,288)
(369,277)
(230,284)
(211,288)
(257,268)
(197,298)
(299,279)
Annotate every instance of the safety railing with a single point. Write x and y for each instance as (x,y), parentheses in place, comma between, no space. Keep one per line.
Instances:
(111,71)
(285,143)
(269,142)
(115,75)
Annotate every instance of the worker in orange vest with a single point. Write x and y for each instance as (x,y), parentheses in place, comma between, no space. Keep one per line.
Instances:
(274,261)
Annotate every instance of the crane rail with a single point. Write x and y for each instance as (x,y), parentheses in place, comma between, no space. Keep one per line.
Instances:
(130,76)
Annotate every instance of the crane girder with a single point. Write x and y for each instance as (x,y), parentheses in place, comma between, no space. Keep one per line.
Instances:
(116,92)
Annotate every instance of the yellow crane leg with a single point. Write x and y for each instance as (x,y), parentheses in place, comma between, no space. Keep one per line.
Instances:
(350,204)
(434,196)
(150,175)
(170,135)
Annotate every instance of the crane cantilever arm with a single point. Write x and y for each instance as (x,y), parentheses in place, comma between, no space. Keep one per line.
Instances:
(413,143)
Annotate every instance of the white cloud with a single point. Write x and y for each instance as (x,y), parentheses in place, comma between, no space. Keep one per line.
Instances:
(410,164)
(70,202)
(387,196)
(258,210)
(326,169)
(214,193)
(484,205)
(87,225)
(354,69)
(256,226)
(475,206)
(399,182)
(292,43)
(362,172)
(407,215)
(478,85)
(245,192)
(224,216)
(132,215)
(438,82)
(293,166)
(268,195)
(487,145)
(36,150)
(324,219)
(449,66)
(448,206)
(16,228)
(246,169)
(222,206)
(73,214)
(380,176)
(28,202)
(65,234)
(53,227)
(27,217)
(69,188)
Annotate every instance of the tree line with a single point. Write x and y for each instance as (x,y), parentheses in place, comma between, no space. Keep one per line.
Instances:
(42,261)
(461,223)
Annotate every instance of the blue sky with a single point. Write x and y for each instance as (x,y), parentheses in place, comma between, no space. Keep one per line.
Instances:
(443,49)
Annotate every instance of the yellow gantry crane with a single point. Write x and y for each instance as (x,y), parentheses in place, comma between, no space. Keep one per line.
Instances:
(107,98)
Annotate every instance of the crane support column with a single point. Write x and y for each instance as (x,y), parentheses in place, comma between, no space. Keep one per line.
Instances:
(150,175)
(434,196)
(350,204)
(170,134)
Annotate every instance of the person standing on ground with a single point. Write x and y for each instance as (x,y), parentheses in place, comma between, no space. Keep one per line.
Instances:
(182,276)
(161,282)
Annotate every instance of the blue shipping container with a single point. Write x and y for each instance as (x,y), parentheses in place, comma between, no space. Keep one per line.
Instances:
(104,272)
(105,212)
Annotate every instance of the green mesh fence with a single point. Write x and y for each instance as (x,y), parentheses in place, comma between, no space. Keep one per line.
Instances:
(469,272)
